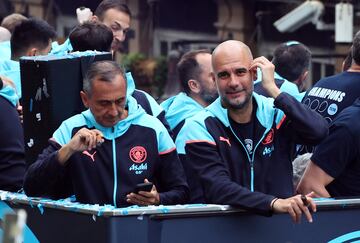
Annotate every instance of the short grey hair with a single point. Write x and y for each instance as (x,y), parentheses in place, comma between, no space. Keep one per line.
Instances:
(105,71)
(299,166)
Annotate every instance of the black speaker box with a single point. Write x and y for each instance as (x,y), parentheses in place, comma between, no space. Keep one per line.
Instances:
(51,88)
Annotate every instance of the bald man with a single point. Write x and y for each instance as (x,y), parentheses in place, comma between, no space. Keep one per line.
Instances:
(240,147)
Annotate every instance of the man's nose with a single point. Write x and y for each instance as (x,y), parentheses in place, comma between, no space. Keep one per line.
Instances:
(119,36)
(113,110)
(233,81)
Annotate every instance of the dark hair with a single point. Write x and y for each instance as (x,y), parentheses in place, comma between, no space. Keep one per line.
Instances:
(111,4)
(29,33)
(356,48)
(105,71)
(91,36)
(291,59)
(188,68)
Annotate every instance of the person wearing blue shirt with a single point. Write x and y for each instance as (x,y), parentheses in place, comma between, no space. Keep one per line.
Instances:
(194,69)
(292,61)
(32,37)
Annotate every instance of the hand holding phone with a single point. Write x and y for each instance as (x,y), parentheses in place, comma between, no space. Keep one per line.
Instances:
(146,187)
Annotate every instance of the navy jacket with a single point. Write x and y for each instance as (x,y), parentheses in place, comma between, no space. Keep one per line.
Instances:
(138,147)
(222,171)
(147,102)
(12,153)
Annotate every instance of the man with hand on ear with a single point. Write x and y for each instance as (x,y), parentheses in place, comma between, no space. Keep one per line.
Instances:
(240,147)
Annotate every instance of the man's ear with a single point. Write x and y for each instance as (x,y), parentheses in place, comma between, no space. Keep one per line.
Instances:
(32,52)
(213,76)
(254,73)
(304,76)
(84,98)
(301,81)
(94,18)
(194,86)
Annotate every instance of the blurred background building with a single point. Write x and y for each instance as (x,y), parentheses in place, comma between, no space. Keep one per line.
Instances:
(168,28)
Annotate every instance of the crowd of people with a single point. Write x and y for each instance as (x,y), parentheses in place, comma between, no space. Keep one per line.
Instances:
(230,137)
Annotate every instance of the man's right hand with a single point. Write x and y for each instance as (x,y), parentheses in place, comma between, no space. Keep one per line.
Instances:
(84,139)
(295,207)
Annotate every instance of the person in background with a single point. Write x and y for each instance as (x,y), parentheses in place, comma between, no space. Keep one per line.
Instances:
(92,36)
(9,23)
(330,95)
(334,168)
(12,152)
(32,37)
(347,61)
(194,69)
(292,61)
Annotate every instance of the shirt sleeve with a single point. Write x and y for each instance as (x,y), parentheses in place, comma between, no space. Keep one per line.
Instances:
(336,151)
(304,125)
(46,177)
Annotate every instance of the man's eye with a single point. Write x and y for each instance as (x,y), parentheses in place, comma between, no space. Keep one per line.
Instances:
(223,75)
(103,103)
(115,27)
(241,71)
(119,101)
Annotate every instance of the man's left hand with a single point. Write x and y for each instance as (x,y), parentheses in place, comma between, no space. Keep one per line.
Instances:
(144,198)
(268,70)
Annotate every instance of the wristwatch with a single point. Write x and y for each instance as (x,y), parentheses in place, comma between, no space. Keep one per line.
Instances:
(1,83)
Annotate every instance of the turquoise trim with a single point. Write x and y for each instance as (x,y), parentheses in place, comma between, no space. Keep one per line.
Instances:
(130,84)
(164,141)
(29,236)
(11,70)
(251,161)
(115,171)
(194,129)
(347,238)
(10,94)
(62,49)
(288,87)
(155,107)
(63,134)
(179,108)
(265,115)
(291,43)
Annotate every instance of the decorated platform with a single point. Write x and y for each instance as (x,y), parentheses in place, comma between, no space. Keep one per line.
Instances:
(69,221)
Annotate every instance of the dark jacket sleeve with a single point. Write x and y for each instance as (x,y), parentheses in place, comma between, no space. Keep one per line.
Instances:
(46,177)
(171,180)
(304,125)
(12,154)
(217,184)
(163,120)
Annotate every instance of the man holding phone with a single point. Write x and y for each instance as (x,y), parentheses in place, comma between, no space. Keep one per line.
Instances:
(241,145)
(101,154)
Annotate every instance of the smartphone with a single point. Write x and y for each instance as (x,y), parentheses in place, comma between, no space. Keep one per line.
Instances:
(146,187)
